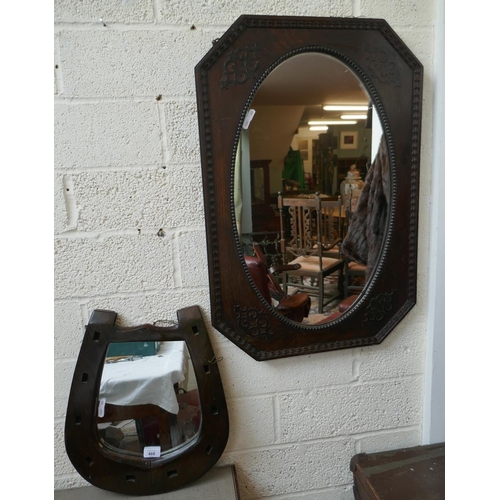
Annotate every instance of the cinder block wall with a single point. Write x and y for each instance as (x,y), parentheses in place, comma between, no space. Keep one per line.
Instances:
(129,236)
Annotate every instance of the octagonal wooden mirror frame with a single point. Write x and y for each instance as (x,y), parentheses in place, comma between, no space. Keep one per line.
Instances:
(393,78)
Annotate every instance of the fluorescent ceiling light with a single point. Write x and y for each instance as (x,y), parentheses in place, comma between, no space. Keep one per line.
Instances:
(331,122)
(342,107)
(353,117)
(319,127)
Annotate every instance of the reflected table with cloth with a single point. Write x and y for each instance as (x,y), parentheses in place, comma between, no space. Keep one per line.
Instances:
(143,388)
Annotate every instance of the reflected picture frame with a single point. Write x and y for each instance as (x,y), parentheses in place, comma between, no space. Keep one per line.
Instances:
(348,140)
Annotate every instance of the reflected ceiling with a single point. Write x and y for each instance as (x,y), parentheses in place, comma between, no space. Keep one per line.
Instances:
(291,84)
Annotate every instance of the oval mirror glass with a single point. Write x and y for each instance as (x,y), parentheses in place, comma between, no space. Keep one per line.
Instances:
(305,152)
(149,403)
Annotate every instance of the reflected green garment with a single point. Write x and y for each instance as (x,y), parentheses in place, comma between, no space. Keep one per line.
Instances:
(294,168)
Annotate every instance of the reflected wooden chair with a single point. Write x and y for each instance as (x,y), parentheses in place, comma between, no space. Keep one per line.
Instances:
(353,270)
(332,227)
(310,237)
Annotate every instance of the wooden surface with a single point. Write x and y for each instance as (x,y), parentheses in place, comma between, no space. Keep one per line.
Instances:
(406,474)
(217,484)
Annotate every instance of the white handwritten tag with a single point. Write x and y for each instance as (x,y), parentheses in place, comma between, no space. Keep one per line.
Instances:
(151,451)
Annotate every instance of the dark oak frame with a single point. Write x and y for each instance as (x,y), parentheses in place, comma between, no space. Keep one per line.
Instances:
(133,475)
(227,79)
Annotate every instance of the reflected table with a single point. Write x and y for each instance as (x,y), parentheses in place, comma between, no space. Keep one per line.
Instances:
(143,388)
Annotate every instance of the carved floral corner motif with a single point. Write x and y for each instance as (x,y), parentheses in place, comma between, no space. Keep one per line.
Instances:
(379,306)
(253,321)
(382,65)
(241,65)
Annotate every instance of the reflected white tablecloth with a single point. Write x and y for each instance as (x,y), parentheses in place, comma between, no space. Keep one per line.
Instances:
(148,380)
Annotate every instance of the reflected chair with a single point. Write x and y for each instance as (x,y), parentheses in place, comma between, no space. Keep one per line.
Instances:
(332,227)
(294,307)
(310,237)
(343,307)
(273,282)
(353,270)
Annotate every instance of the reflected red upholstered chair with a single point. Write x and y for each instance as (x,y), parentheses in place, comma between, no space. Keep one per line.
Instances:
(295,307)
(343,306)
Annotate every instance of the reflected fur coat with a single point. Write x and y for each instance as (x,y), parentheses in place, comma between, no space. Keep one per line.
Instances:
(365,234)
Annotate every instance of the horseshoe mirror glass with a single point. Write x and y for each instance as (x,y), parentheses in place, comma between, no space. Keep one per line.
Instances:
(148,398)
(259,90)
(311,134)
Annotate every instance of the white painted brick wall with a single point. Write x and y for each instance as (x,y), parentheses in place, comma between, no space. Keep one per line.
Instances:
(129,236)
(125,62)
(118,11)
(106,134)
(103,265)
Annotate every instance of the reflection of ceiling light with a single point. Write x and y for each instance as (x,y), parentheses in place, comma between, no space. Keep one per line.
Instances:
(341,107)
(353,117)
(317,128)
(331,122)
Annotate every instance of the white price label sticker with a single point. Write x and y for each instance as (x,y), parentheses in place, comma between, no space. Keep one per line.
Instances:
(248,118)
(151,451)
(101,408)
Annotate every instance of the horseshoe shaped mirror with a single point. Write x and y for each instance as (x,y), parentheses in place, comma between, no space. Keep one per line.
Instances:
(146,412)
(311,234)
